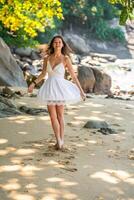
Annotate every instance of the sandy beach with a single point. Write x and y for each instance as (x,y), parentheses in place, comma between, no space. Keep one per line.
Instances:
(92,166)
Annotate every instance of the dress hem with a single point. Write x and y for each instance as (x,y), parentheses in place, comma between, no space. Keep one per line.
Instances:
(50,102)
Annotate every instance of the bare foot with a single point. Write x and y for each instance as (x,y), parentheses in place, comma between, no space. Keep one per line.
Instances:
(56,146)
(59,145)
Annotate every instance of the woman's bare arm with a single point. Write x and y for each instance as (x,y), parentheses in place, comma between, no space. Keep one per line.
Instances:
(43,73)
(73,75)
(40,77)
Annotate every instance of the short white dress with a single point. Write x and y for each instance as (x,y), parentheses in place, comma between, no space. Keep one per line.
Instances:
(56,89)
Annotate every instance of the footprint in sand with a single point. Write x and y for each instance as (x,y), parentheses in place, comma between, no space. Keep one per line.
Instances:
(70,169)
(48,154)
(131,154)
(28,159)
(39,159)
(70,157)
(64,162)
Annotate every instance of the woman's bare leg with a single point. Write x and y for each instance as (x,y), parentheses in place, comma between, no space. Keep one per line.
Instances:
(60,116)
(55,122)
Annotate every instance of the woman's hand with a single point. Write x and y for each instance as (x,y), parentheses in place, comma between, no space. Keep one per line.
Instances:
(83,96)
(31,87)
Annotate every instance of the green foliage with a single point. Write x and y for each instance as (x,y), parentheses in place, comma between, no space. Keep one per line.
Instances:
(49,33)
(22,20)
(106,33)
(19,39)
(127,9)
(92,16)
(86,11)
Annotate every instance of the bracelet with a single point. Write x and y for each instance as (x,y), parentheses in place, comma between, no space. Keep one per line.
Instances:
(34,82)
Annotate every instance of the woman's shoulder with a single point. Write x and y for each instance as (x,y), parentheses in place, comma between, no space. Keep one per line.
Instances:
(66,58)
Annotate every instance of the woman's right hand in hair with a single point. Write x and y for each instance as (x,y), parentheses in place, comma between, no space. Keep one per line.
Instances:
(31,87)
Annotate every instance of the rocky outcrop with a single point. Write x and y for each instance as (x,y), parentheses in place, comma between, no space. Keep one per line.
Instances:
(10,72)
(9,107)
(30,61)
(84,44)
(86,78)
(102,82)
(93,80)
(103,57)
(77,43)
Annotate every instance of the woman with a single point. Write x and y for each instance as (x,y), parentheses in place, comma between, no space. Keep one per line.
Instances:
(56,91)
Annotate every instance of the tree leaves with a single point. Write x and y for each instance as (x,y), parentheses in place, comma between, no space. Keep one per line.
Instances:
(127,10)
(29,16)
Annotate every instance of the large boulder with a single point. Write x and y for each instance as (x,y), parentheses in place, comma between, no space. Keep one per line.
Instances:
(102,82)
(86,78)
(77,43)
(94,80)
(83,43)
(7,108)
(96,124)
(10,72)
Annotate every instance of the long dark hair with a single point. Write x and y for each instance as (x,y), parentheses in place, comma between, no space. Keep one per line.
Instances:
(66,50)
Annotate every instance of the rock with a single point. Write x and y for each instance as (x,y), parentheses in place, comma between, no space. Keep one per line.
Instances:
(85,59)
(102,60)
(23,51)
(77,43)
(93,80)
(26,66)
(88,61)
(76,59)
(28,60)
(37,63)
(103,82)
(106,131)
(96,124)
(86,78)
(32,70)
(8,102)
(32,111)
(106,84)
(9,93)
(17,57)
(119,97)
(35,56)
(7,108)
(10,72)
(108,57)
(20,64)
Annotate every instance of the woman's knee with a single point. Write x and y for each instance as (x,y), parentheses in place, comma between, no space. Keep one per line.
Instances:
(60,116)
(52,112)
(53,117)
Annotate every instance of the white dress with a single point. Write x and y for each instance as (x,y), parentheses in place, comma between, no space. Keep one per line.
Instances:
(56,90)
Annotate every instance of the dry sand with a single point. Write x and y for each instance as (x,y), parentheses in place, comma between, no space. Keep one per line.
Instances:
(92,166)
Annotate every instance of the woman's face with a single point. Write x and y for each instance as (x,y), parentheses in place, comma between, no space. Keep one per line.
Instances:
(57,43)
